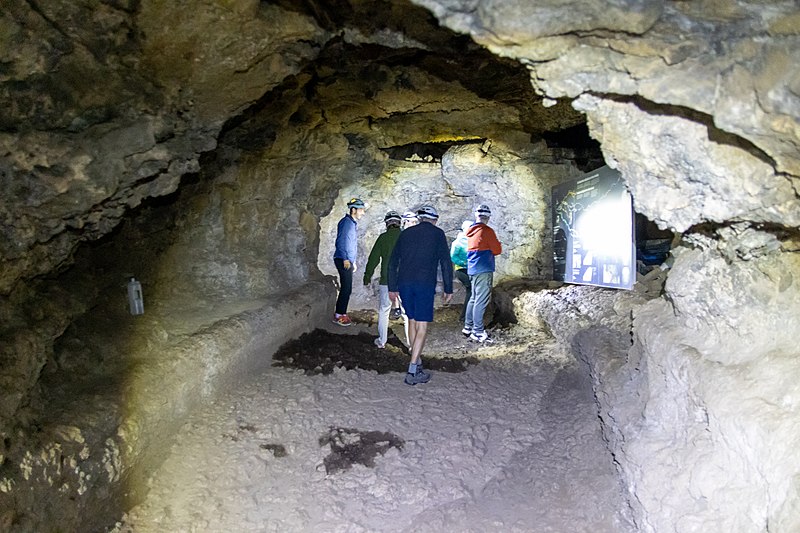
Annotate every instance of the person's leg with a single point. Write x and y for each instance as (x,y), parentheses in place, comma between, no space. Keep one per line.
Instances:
(384,308)
(405,321)
(463,277)
(481,292)
(345,286)
(419,305)
(407,304)
(412,333)
(420,332)
(469,319)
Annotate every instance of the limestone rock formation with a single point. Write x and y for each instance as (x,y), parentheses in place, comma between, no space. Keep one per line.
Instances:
(114,116)
(697,105)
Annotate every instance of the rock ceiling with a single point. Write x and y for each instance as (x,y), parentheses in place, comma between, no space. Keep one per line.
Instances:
(108,105)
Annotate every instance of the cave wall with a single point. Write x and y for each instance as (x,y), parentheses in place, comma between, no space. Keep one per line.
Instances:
(103,113)
(696,104)
(268,141)
(119,106)
(515,185)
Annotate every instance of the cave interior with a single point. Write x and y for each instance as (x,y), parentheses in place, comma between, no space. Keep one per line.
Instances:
(211,156)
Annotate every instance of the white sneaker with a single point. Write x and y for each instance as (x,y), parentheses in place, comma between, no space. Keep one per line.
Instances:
(379,344)
(482,337)
(466,331)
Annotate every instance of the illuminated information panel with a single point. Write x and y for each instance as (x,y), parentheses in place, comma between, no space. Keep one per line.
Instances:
(593,235)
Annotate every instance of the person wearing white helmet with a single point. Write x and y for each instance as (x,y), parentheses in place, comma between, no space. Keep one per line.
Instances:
(408,219)
(344,257)
(458,254)
(482,247)
(381,252)
(419,253)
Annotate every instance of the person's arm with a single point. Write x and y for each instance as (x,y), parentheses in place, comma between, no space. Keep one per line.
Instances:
(352,243)
(446,265)
(394,265)
(494,244)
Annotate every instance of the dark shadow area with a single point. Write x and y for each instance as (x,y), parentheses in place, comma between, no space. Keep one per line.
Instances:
(277,450)
(320,352)
(424,152)
(653,244)
(351,446)
(576,143)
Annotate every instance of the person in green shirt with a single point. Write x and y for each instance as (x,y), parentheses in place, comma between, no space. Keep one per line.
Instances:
(381,252)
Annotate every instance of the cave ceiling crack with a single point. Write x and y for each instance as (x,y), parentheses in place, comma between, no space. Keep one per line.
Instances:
(412,111)
(271,53)
(715,133)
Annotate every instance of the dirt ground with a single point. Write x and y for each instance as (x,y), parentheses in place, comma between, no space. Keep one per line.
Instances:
(505,437)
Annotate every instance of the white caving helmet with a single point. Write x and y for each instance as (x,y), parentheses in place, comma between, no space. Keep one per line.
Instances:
(428,211)
(483,211)
(408,219)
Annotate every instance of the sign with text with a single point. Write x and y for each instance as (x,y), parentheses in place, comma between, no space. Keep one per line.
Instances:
(593,231)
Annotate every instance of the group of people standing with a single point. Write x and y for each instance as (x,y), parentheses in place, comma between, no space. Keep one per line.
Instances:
(411,252)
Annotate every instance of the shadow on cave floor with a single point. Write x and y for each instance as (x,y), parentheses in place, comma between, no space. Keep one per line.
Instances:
(320,351)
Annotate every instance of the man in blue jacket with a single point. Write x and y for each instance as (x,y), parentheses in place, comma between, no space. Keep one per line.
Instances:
(344,257)
(419,253)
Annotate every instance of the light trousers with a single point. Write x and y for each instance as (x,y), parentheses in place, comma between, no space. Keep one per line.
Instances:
(384,308)
(479,300)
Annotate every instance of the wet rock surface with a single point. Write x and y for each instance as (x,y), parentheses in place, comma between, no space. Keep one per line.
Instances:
(320,351)
(351,446)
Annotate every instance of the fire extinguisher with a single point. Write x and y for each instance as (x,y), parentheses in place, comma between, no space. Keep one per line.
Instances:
(135,299)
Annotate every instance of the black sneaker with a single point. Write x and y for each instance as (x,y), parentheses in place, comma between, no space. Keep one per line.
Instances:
(466,331)
(420,377)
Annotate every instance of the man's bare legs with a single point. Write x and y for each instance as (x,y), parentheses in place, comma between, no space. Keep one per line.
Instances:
(417,331)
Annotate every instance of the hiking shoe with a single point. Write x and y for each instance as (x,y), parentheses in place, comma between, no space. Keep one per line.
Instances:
(379,344)
(396,314)
(481,337)
(342,320)
(420,377)
(466,331)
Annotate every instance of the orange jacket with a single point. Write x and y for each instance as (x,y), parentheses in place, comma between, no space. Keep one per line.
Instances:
(482,246)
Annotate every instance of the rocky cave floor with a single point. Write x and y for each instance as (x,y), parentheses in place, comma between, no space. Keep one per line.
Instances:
(505,437)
